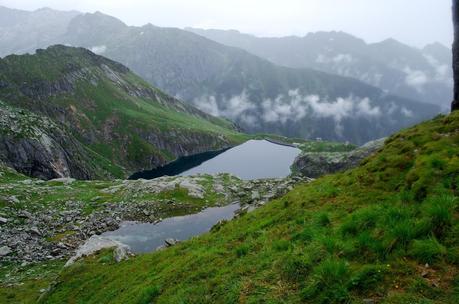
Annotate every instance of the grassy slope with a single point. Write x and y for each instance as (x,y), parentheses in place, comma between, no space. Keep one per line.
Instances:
(365,233)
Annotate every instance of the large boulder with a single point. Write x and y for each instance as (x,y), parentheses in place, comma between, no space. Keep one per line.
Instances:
(316,164)
(96,243)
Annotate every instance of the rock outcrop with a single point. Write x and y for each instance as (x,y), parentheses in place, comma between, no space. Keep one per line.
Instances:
(36,146)
(96,243)
(316,164)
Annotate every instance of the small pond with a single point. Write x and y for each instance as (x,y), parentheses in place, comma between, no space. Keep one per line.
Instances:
(146,237)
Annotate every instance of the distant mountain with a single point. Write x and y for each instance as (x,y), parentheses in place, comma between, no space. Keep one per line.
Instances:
(255,93)
(69,112)
(23,31)
(419,74)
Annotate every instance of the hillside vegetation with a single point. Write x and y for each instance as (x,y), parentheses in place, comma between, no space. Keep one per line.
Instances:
(103,107)
(387,230)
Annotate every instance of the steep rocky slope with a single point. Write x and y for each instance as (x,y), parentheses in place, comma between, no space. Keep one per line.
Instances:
(39,147)
(107,110)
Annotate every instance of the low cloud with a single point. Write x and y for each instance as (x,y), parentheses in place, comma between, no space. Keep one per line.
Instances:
(343,58)
(439,73)
(406,112)
(100,49)
(340,58)
(238,107)
(415,78)
(290,107)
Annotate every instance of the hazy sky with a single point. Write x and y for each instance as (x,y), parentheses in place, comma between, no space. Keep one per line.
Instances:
(415,22)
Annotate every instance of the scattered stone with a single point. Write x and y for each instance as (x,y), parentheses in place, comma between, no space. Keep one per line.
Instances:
(73,227)
(219,188)
(3,221)
(13,199)
(35,231)
(5,250)
(25,214)
(64,180)
(121,253)
(171,242)
(194,190)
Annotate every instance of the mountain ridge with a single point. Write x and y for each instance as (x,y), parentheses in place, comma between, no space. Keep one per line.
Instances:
(391,65)
(256,94)
(235,84)
(106,108)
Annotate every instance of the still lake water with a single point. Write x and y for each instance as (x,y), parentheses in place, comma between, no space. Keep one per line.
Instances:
(253,159)
(146,237)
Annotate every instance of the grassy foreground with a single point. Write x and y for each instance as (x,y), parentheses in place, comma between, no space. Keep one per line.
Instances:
(386,231)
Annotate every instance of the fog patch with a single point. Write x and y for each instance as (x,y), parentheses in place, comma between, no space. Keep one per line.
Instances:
(236,107)
(343,58)
(340,58)
(443,72)
(406,112)
(289,108)
(415,78)
(100,49)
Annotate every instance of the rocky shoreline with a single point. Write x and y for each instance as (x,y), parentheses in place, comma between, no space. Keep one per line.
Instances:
(53,231)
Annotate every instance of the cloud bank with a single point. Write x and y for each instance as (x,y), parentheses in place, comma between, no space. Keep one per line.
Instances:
(294,107)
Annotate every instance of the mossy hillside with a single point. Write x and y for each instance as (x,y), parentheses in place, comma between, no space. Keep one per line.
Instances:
(365,233)
(109,109)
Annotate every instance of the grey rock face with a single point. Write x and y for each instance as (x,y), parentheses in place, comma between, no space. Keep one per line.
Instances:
(5,250)
(321,163)
(38,147)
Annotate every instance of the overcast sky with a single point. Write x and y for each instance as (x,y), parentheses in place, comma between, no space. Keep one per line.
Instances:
(416,22)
